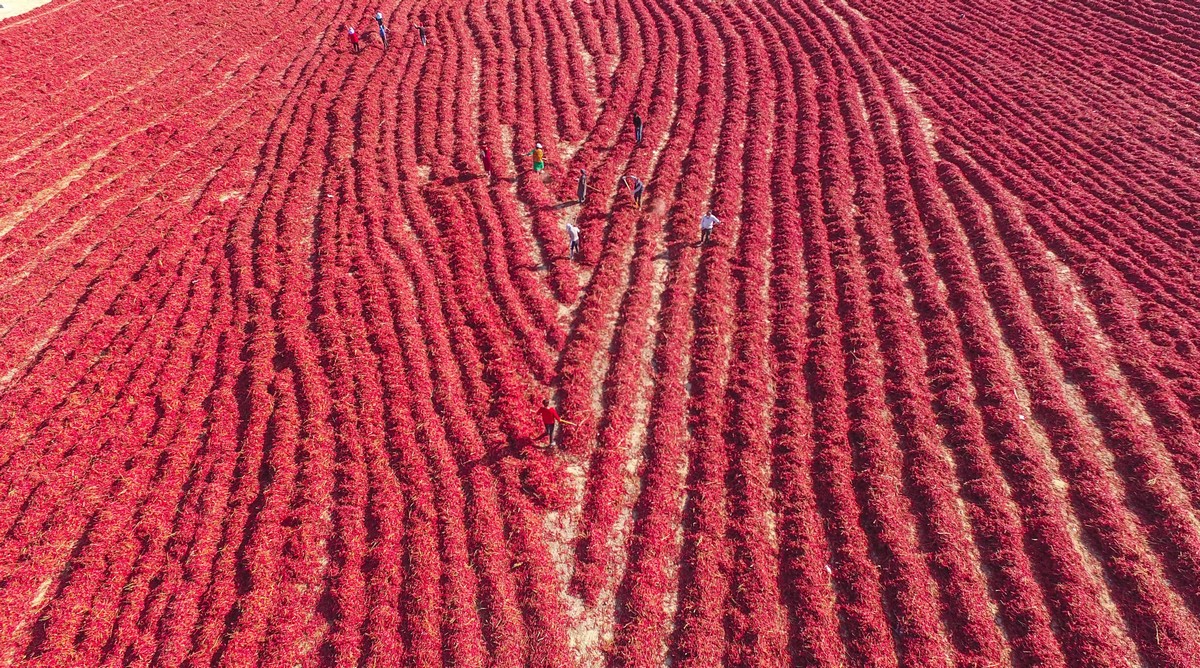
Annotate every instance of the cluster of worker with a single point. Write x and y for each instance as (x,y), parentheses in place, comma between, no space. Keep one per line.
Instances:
(635,187)
(356,39)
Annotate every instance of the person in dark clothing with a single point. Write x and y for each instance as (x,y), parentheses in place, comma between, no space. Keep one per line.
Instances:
(637,127)
(582,188)
(421,34)
(636,189)
(486,157)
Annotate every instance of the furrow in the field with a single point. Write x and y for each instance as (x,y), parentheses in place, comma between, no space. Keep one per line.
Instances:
(613,49)
(501,569)
(582,40)
(125,575)
(923,301)
(607,488)
(71,283)
(459,238)
(1138,273)
(188,83)
(617,459)
(647,593)
(705,559)
(60,377)
(134,419)
(384,516)
(431,359)
(1174,36)
(553,79)
(1074,163)
(146,580)
(86,243)
(21,151)
(1164,342)
(356,408)
(588,36)
(166,140)
(566,83)
(880,481)
(864,623)
(82,26)
(36,378)
(499,395)
(154,111)
(200,616)
(453,87)
(1053,98)
(805,584)
(601,366)
(582,83)
(469,327)
(1079,446)
(99,475)
(586,360)
(521,249)
(439,501)
(397,614)
(1100,498)
(532,126)
(470,538)
(929,475)
(755,610)
(1095,635)
(598,366)
(1162,102)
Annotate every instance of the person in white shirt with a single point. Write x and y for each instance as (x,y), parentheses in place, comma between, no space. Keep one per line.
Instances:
(383,31)
(573,237)
(706,226)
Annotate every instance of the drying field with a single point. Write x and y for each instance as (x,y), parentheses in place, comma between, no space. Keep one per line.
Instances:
(271,345)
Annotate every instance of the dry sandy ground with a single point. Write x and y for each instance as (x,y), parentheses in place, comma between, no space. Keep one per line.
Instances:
(11,8)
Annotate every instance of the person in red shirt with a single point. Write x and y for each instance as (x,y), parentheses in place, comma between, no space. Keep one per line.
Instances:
(550,419)
(354,40)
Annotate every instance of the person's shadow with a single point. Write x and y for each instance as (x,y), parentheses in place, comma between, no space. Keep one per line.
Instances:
(518,448)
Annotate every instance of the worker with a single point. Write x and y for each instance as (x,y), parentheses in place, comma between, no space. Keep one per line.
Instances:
(706,226)
(549,420)
(353,40)
(383,31)
(421,34)
(573,238)
(539,158)
(637,127)
(485,156)
(636,189)
(582,188)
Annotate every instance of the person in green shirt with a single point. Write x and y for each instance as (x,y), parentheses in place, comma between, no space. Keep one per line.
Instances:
(539,158)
